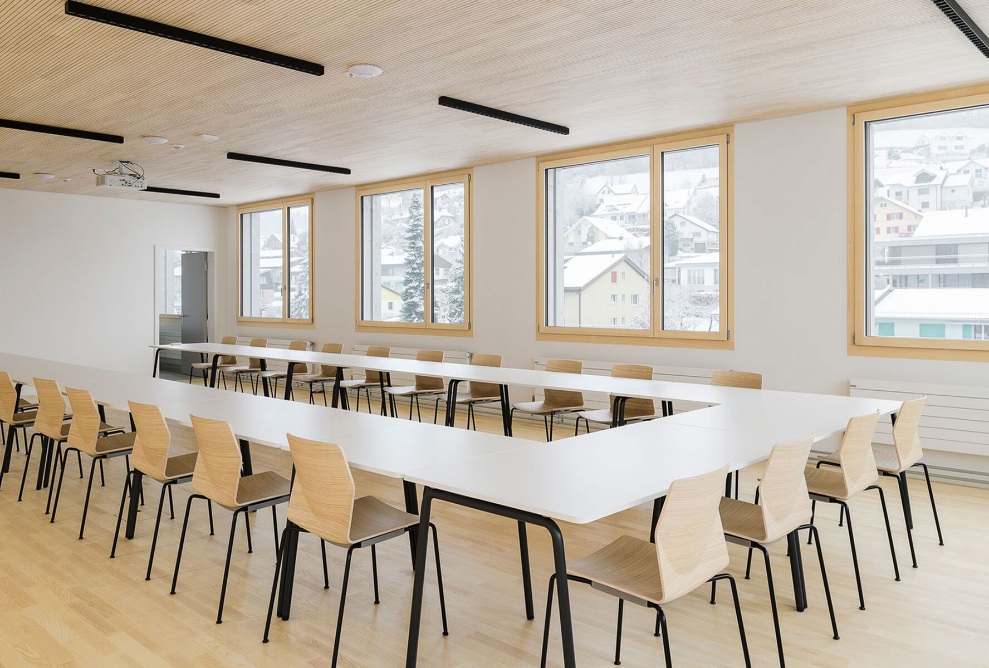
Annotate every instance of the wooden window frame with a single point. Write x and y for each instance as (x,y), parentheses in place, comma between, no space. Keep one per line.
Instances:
(284,204)
(656,335)
(859,343)
(426,183)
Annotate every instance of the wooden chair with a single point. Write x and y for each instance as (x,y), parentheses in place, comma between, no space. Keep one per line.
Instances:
(634,409)
(432,386)
(88,435)
(252,370)
(326,373)
(217,478)
(371,379)
(150,457)
(743,379)
(14,415)
(478,393)
(323,504)
(857,473)
(225,363)
(895,460)
(555,402)
(783,510)
(297,367)
(690,550)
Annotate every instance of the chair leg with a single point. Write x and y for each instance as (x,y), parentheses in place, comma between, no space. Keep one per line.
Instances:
(226,566)
(930,492)
(549,614)
(274,525)
(89,490)
(813,512)
(185,526)
(209,511)
(889,532)
(326,572)
(27,462)
(274,582)
(120,515)
(618,633)
(547,429)
(576,430)
(904,492)
(79,461)
(154,537)
(436,409)
(772,602)
(57,460)
(171,505)
(343,602)
(824,577)
(247,526)
(738,616)
(855,559)
(58,492)
(661,618)
(374,574)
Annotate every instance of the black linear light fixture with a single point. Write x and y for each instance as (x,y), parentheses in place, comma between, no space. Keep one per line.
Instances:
(147,26)
(964,23)
(286,163)
(9,175)
(64,132)
(502,115)
(175,191)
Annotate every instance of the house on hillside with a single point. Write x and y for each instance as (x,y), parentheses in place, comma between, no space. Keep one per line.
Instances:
(949,313)
(693,234)
(590,230)
(892,219)
(603,290)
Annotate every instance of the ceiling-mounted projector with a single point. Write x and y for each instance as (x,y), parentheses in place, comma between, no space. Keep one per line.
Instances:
(126,174)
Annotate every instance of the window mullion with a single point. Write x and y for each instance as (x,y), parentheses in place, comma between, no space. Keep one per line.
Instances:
(286,250)
(427,253)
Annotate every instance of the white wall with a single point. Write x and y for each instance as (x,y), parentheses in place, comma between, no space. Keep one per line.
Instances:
(78,273)
(790,271)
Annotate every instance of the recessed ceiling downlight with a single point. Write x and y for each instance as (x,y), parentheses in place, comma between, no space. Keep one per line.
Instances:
(364,71)
(152,139)
(44,176)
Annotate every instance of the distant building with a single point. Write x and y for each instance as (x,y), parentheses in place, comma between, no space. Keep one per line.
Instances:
(699,273)
(391,304)
(591,229)
(603,290)
(951,313)
(694,235)
(623,203)
(892,219)
(919,189)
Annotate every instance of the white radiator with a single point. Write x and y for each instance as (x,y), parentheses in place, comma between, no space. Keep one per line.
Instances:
(955,418)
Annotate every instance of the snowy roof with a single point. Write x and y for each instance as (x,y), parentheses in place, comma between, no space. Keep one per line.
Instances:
(935,304)
(674,198)
(707,227)
(610,227)
(580,270)
(908,177)
(616,246)
(623,204)
(952,223)
(916,137)
(702,259)
(389,256)
(619,188)
(957,180)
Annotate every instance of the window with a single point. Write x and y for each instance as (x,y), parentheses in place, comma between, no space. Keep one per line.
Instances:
(684,181)
(275,253)
(908,298)
(415,255)
(614,298)
(979,332)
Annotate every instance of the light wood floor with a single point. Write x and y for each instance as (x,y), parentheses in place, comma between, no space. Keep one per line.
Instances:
(64,602)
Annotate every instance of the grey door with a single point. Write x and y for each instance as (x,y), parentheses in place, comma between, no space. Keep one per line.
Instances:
(194,304)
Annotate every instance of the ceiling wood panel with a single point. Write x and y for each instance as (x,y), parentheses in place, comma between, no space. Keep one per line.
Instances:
(609,71)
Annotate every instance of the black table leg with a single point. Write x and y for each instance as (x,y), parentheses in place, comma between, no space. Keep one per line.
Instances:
(559,561)
(339,394)
(288,381)
(905,498)
(245,455)
(506,410)
(412,507)
(451,402)
(290,548)
(212,370)
(797,571)
(135,502)
(526,573)
(264,379)
(657,508)
(154,368)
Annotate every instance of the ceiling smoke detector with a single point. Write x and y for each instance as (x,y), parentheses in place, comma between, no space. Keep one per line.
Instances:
(44,176)
(155,140)
(364,71)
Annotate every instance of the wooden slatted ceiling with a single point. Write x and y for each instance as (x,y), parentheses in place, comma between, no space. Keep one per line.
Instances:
(609,71)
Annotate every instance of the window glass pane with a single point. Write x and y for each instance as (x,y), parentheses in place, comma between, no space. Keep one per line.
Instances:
(691,239)
(598,244)
(448,253)
(393,286)
(298,259)
(926,273)
(261,264)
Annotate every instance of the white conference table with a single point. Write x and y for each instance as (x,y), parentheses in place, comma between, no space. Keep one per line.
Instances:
(457,373)
(578,480)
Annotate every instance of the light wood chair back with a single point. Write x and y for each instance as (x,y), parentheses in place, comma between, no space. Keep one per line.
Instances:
(429,382)
(299,367)
(228,359)
(371,376)
(563,398)
(51,409)
(84,430)
(255,362)
(326,369)
(322,499)
(906,433)
(150,454)
(485,390)
(858,463)
(634,407)
(690,542)
(217,473)
(8,398)
(783,491)
(745,379)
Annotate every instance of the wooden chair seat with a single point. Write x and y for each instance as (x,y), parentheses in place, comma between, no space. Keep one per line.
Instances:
(826,481)
(411,390)
(24,417)
(260,487)
(27,403)
(627,565)
(314,378)
(179,466)
(744,519)
(208,366)
(106,445)
(606,416)
(887,461)
(373,517)
(543,408)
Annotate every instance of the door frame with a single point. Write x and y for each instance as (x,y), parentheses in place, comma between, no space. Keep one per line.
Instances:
(211,285)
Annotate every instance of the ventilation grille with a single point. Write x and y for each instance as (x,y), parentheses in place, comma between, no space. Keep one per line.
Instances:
(964,23)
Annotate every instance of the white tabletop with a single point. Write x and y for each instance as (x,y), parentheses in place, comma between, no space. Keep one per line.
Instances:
(629,387)
(25,369)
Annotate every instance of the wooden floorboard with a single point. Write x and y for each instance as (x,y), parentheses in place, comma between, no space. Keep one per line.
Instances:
(63,602)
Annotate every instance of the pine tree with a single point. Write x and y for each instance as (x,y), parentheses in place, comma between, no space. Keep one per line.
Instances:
(414,283)
(455,289)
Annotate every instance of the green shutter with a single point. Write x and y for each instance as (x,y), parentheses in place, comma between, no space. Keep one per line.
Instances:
(930,330)
(886,329)
(966,331)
